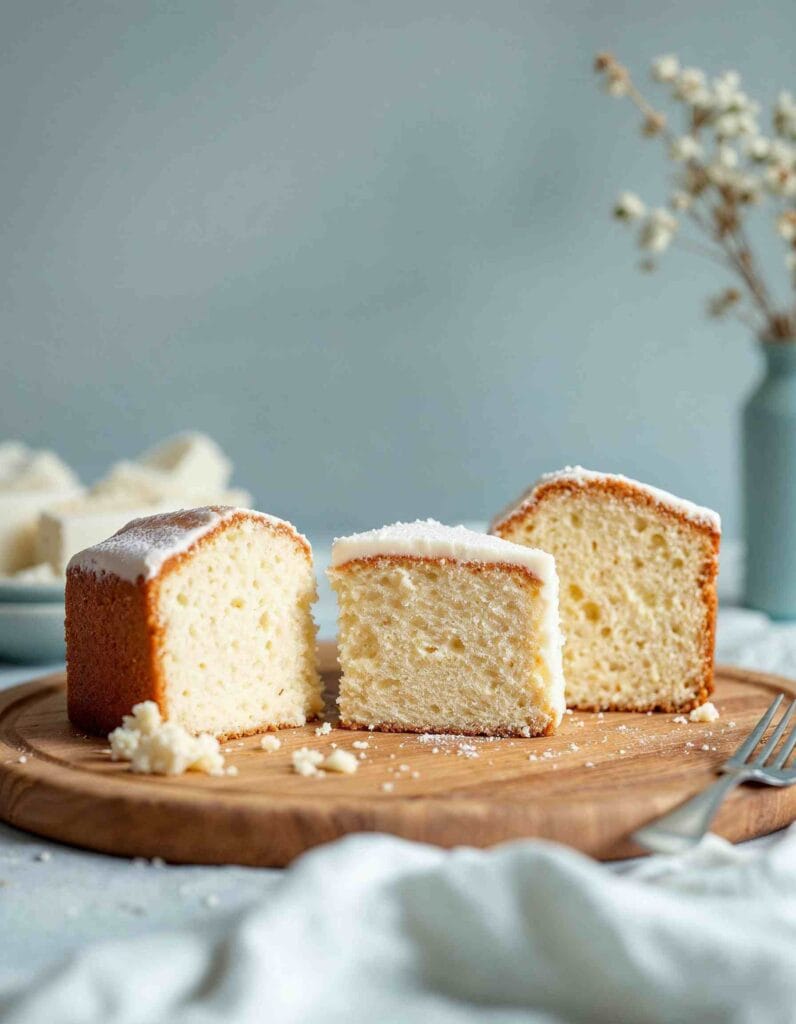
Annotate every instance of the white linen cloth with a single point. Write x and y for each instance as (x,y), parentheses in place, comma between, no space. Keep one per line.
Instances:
(380,930)
(376,929)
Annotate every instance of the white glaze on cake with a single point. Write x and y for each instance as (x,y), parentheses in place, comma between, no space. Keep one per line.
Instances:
(430,539)
(581,477)
(143,546)
(426,538)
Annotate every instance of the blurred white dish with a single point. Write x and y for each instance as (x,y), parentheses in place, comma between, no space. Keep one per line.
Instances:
(32,633)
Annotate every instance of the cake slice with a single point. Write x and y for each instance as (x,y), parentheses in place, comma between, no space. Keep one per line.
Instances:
(30,481)
(445,630)
(206,612)
(638,573)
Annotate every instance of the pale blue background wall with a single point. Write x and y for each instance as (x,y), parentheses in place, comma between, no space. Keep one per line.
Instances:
(366,245)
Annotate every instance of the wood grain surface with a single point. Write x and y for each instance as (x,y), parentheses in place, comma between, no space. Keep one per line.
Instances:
(589,786)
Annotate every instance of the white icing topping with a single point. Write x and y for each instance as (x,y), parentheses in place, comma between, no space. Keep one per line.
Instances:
(427,538)
(143,546)
(581,477)
(430,539)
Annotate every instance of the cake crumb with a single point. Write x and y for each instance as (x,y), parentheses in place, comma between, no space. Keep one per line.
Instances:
(43,856)
(533,757)
(730,725)
(707,712)
(270,743)
(415,775)
(574,747)
(232,770)
(680,720)
(307,762)
(341,761)
(360,744)
(589,764)
(704,747)
(324,730)
(388,787)
(157,747)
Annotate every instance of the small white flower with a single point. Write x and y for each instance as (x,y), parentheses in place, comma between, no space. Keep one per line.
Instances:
(758,148)
(665,68)
(657,231)
(781,180)
(781,153)
(727,156)
(690,85)
(685,147)
(748,187)
(616,85)
(628,207)
(786,226)
(728,126)
(718,174)
(727,83)
(681,200)
(747,124)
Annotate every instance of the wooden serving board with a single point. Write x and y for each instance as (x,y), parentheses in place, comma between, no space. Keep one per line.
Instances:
(62,785)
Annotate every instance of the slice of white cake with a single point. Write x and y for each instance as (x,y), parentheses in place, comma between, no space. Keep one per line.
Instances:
(445,630)
(30,481)
(206,612)
(638,573)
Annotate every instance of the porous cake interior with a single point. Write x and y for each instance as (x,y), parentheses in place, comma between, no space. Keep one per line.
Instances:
(436,646)
(237,642)
(633,611)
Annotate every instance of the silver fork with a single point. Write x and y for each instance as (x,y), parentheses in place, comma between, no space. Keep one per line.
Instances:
(683,827)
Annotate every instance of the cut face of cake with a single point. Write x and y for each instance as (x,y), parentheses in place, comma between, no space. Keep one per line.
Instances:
(446,630)
(638,573)
(204,611)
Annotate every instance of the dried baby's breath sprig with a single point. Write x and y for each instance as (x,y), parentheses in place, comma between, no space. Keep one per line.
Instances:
(721,304)
(725,166)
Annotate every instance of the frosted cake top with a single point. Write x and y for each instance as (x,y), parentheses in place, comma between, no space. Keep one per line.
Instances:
(426,538)
(581,477)
(143,546)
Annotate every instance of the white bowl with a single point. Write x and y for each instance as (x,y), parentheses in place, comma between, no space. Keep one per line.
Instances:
(32,632)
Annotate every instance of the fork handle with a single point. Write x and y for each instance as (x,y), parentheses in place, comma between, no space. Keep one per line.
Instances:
(683,827)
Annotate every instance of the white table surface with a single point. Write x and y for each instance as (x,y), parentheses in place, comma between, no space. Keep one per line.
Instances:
(54,899)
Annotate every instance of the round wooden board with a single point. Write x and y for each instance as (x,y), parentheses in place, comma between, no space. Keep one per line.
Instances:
(62,785)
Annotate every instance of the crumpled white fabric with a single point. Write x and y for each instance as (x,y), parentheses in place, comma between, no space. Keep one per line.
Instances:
(377,929)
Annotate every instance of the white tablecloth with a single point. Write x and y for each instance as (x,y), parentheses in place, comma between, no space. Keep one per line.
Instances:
(376,929)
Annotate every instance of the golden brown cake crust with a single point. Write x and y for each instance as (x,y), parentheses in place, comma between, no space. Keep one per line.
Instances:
(113,637)
(548,730)
(624,490)
(110,638)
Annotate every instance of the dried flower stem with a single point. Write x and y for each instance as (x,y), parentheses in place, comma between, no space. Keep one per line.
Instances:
(717,193)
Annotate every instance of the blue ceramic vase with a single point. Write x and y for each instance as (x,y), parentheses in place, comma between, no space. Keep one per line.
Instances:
(769,485)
